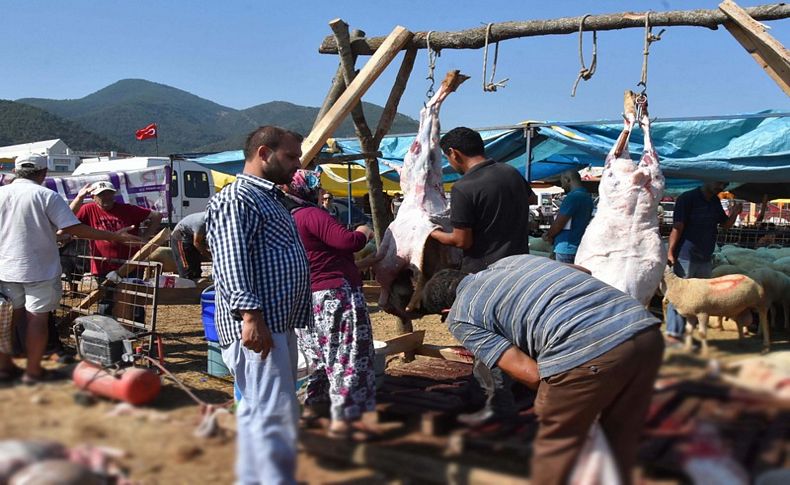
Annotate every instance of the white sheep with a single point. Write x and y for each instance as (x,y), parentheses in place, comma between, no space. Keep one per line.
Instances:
(732,296)
(540,245)
(777,292)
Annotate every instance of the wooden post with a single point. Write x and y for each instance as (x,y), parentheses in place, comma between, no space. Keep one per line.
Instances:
(768,52)
(354,92)
(338,83)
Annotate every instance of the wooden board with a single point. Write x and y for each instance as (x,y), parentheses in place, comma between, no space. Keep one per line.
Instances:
(407,342)
(354,92)
(768,52)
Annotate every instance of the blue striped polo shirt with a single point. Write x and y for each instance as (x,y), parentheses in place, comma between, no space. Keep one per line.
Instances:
(558,315)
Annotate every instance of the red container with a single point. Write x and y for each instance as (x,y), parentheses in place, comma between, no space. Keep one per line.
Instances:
(133,385)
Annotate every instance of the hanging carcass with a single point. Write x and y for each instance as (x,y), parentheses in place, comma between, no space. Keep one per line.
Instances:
(408,256)
(622,246)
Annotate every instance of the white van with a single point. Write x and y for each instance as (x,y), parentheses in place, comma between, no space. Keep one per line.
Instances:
(190,188)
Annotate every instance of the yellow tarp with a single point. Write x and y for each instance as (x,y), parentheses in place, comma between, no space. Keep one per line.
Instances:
(334,180)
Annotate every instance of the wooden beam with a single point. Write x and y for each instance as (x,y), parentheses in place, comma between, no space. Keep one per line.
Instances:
(391,107)
(768,52)
(338,84)
(347,69)
(475,38)
(354,92)
(348,158)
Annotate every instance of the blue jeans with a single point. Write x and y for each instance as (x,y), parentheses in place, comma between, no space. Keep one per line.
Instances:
(267,414)
(684,268)
(565,258)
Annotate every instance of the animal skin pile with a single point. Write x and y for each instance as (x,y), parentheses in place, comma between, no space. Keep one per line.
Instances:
(408,256)
(621,246)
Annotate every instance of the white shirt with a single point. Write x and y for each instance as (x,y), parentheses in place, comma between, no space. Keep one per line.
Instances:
(29,217)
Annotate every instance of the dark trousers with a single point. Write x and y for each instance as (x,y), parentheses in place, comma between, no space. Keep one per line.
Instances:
(617,386)
(187,257)
(111,296)
(498,388)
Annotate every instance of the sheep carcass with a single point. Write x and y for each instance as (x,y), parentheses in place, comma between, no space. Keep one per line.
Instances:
(621,246)
(408,256)
(731,296)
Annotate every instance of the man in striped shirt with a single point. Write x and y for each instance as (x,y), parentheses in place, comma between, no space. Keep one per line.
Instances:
(262,282)
(588,349)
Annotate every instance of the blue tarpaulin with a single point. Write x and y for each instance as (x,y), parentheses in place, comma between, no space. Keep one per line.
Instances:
(753,148)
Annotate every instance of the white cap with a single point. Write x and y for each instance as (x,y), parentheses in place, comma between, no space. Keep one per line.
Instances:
(103,186)
(30,161)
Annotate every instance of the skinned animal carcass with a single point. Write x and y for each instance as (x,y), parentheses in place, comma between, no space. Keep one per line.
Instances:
(622,246)
(408,256)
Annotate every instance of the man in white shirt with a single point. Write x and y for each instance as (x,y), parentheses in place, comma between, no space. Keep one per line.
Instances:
(30,215)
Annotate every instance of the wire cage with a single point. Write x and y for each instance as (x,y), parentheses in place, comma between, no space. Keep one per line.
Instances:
(130,300)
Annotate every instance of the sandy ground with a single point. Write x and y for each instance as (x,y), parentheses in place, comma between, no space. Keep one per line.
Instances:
(159,438)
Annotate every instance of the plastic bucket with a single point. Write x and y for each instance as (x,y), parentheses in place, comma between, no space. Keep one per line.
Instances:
(208,311)
(379,361)
(216,366)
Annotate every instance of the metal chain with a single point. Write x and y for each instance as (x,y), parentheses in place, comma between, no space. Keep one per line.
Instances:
(584,72)
(432,55)
(491,86)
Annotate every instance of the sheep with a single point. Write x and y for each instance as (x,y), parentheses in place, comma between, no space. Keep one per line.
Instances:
(731,296)
(777,291)
(165,256)
(540,245)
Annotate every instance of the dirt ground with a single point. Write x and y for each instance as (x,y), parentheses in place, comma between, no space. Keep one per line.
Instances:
(159,438)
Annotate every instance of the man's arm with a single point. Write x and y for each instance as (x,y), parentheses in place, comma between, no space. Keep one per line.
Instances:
(674,240)
(556,227)
(199,241)
(85,231)
(736,209)
(461,237)
(79,199)
(154,222)
(520,367)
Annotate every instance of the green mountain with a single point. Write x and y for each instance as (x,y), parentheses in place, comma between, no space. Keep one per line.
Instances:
(20,123)
(187,123)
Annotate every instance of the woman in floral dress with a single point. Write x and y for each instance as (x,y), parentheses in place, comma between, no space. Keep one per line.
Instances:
(339,343)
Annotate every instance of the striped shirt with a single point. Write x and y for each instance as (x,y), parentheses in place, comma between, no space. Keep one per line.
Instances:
(558,315)
(258,261)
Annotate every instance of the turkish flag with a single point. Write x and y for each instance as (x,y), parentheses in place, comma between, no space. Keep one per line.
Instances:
(147,132)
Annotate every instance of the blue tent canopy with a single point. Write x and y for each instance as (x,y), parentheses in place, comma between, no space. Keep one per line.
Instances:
(751,148)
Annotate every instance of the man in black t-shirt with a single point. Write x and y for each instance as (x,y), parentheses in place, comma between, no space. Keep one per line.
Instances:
(489,212)
(489,205)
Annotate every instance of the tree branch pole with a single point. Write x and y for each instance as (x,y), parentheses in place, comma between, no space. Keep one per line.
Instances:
(475,38)
(338,83)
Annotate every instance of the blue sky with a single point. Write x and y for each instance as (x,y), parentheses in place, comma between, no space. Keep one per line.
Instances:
(243,53)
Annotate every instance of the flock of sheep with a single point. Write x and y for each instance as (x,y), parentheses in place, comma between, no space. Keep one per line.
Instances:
(744,282)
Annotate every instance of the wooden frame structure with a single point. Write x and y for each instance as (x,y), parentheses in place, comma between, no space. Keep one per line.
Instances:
(348,86)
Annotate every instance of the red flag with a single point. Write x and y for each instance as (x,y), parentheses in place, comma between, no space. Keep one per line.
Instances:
(147,132)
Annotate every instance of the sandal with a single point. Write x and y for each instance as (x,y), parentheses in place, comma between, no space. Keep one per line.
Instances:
(46,376)
(11,374)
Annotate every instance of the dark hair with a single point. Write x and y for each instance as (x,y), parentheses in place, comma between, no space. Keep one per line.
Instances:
(29,173)
(271,136)
(439,292)
(465,140)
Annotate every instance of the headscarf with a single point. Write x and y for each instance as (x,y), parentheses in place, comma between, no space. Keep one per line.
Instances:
(305,186)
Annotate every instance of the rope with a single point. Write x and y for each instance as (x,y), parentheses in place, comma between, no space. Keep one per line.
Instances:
(649,39)
(584,72)
(432,55)
(208,423)
(491,86)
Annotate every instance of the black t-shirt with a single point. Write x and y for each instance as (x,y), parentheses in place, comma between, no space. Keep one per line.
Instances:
(493,200)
